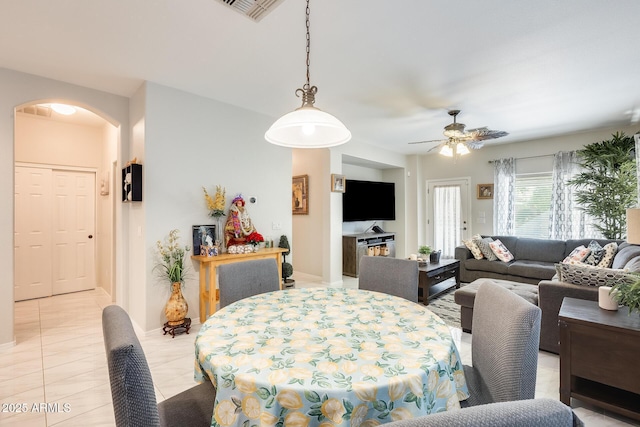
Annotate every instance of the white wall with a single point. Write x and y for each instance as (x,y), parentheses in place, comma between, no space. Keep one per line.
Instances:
(477,166)
(190,142)
(18,89)
(46,141)
(309,230)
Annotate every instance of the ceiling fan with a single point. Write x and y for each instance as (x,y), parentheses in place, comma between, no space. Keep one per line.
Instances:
(458,140)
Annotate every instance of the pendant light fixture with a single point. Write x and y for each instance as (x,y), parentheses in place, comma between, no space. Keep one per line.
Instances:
(307,126)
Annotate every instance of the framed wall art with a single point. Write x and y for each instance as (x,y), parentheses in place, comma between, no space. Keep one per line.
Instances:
(300,195)
(338,183)
(200,234)
(485,191)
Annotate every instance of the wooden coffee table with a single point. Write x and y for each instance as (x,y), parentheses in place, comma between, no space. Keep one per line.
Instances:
(599,356)
(433,278)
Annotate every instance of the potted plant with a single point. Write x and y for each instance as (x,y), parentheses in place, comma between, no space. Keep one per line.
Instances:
(287,268)
(607,185)
(424,250)
(172,268)
(627,293)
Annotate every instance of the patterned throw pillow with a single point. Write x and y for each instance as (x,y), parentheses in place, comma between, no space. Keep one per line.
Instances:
(610,250)
(597,252)
(501,251)
(475,250)
(579,254)
(588,275)
(483,245)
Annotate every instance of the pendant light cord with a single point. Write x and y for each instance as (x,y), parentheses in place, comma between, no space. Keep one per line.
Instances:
(308,45)
(307,91)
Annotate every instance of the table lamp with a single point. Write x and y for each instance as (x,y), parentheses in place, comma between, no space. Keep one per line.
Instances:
(633,226)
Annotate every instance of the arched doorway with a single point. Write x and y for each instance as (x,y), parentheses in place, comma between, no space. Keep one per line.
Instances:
(64,153)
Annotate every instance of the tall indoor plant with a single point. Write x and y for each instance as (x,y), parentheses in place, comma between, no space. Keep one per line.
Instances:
(608,184)
(172,267)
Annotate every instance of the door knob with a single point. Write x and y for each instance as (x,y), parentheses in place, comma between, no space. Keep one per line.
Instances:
(91,236)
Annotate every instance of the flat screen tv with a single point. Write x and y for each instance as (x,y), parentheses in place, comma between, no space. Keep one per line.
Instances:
(368,201)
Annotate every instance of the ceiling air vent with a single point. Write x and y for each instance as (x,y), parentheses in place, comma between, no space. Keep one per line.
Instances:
(252,9)
(36,110)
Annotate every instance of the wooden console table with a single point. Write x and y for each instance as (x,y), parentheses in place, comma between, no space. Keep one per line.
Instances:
(208,272)
(599,356)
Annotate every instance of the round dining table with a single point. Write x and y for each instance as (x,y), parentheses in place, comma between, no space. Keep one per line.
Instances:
(327,357)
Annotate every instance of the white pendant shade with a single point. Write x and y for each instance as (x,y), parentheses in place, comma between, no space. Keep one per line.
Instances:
(308,127)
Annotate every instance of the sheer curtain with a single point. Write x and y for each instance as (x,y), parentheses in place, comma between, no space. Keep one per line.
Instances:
(504,180)
(446,226)
(566,219)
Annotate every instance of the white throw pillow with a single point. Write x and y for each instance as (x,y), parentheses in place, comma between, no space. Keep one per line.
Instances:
(578,255)
(501,251)
(475,250)
(610,250)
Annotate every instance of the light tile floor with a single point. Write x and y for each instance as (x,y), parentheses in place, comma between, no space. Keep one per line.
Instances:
(56,374)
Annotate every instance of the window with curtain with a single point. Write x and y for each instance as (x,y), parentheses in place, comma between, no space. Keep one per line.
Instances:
(532,205)
(539,205)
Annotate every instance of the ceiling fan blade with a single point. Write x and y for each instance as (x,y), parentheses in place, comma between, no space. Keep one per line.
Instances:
(473,144)
(482,134)
(437,147)
(432,140)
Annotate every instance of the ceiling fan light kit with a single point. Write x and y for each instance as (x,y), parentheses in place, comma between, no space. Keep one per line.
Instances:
(459,142)
(307,126)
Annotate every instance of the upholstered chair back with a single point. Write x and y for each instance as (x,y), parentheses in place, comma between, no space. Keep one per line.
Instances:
(244,279)
(393,276)
(504,347)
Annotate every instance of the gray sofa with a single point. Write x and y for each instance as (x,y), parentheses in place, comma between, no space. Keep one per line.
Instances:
(534,261)
(533,265)
(552,292)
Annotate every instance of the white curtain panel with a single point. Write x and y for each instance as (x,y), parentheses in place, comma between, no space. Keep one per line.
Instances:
(567,220)
(504,196)
(446,230)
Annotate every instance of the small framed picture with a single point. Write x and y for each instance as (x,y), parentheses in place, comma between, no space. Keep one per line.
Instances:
(300,195)
(200,234)
(485,191)
(337,183)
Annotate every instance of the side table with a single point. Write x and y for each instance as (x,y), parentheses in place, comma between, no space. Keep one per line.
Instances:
(432,276)
(599,356)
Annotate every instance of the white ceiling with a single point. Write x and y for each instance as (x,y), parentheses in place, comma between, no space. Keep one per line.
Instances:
(388,69)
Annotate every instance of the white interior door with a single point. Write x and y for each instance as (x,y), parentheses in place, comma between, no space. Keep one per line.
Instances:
(73,231)
(32,251)
(447,214)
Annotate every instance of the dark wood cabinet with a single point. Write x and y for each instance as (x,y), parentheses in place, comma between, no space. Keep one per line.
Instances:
(599,356)
(355,246)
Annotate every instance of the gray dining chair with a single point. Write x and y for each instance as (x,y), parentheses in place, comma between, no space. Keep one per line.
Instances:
(244,279)
(132,391)
(393,276)
(504,347)
(522,413)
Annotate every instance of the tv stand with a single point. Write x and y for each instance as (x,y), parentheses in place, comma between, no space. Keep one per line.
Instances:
(355,246)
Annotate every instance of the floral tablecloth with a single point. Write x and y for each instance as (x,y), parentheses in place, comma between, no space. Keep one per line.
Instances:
(325,357)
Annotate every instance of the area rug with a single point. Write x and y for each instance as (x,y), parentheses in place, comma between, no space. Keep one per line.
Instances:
(445,308)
